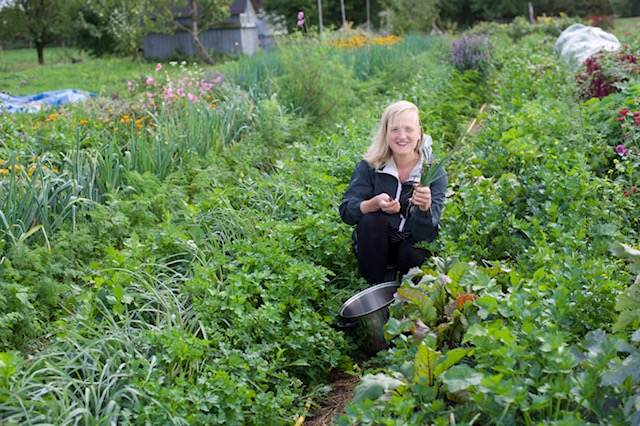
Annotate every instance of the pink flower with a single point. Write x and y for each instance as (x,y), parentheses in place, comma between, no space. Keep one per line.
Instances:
(217,80)
(168,93)
(149,95)
(149,80)
(626,193)
(158,67)
(207,86)
(181,92)
(620,118)
(623,112)
(300,22)
(300,15)
(634,189)
(191,97)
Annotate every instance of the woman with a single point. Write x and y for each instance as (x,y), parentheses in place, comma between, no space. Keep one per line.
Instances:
(391,211)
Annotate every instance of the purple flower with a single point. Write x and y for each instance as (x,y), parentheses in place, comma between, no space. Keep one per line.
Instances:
(620,149)
(23,82)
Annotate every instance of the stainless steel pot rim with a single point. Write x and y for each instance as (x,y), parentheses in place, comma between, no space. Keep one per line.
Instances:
(374,289)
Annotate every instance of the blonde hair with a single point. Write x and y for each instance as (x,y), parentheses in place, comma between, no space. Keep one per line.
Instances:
(379,152)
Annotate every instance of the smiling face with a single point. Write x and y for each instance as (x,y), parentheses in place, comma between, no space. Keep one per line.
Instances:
(403,134)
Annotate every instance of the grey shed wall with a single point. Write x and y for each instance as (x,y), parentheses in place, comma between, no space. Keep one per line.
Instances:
(223,40)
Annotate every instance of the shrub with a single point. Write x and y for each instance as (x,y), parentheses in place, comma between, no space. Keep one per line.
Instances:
(314,82)
(472,53)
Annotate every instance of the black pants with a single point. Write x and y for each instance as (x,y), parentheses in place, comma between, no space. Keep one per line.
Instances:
(375,250)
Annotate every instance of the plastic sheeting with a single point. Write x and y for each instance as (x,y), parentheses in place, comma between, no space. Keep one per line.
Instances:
(33,103)
(578,42)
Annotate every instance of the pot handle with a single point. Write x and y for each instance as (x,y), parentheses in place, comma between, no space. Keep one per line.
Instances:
(344,324)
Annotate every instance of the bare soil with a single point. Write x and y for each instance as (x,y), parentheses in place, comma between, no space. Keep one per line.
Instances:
(341,394)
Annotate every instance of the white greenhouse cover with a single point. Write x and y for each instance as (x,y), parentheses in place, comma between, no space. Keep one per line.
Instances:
(578,42)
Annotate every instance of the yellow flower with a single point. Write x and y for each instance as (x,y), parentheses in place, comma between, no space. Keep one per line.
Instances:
(84,121)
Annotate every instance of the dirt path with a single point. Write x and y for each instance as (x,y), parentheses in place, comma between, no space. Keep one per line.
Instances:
(342,393)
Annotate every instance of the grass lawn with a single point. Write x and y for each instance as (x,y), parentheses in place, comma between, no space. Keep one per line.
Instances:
(21,75)
(626,25)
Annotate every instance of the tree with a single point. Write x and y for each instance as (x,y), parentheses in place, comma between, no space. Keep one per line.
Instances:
(118,26)
(500,9)
(110,27)
(355,11)
(10,27)
(412,15)
(192,16)
(43,21)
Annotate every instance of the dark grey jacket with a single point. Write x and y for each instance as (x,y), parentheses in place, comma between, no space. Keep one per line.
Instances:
(367,182)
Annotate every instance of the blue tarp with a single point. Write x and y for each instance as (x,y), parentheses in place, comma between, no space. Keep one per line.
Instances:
(33,103)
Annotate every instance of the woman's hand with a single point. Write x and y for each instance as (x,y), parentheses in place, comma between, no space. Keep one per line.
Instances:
(422,197)
(382,202)
(388,204)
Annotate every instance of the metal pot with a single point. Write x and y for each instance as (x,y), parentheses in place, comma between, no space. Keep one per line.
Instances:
(367,312)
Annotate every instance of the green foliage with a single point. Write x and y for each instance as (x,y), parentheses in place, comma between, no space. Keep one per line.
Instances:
(35,199)
(286,12)
(314,82)
(42,22)
(201,284)
(409,16)
(114,26)
(535,338)
(629,301)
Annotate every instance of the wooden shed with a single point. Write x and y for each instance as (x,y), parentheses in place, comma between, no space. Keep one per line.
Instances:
(242,33)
